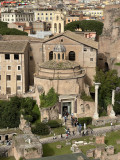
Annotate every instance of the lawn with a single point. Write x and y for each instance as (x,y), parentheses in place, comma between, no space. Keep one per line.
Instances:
(111,139)
(51,150)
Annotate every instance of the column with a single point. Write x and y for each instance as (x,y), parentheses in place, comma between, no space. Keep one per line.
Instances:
(112,113)
(96,116)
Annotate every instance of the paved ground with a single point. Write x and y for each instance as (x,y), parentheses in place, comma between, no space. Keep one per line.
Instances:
(96,131)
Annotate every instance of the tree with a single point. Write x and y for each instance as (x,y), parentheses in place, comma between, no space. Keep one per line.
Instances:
(86,25)
(50,99)
(109,80)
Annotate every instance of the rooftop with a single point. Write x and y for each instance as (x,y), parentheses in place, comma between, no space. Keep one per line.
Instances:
(13,46)
(66,64)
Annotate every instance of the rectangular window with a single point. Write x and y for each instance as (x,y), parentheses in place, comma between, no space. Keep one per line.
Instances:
(16,56)
(91,59)
(8,90)
(7,56)
(9,67)
(18,88)
(8,77)
(18,77)
(19,68)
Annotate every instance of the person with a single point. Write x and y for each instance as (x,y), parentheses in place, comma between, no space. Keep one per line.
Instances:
(54,136)
(65,118)
(73,132)
(61,135)
(111,126)
(80,128)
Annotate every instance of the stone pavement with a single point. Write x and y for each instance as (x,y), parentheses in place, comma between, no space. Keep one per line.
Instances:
(96,132)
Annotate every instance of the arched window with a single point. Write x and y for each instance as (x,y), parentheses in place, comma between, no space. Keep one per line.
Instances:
(63,56)
(59,27)
(58,56)
(72,56)
(51,55)
(55,27)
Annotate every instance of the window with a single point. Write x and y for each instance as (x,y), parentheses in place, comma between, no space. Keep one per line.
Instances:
(8,90)
(91,59)
(61,40)
(58,56)
(31,58)
(42,14)
(85,49)
(18,77)
(46,14)
(19,68)
(16,56)
(50,18)
(7,56)
(46,18)
(18,88)
(51,55)
(72,56)
(0,77)
(9,67)
(50,13)
(8,77)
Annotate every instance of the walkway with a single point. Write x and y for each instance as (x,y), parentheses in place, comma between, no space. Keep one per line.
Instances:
(96,131)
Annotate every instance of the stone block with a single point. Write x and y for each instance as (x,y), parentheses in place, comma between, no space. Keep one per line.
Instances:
(100,140)
(97,153)
(58,146)
(90,153)
(110,150)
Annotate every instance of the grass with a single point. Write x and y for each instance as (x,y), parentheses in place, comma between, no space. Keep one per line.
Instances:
(7,158)
(50,149)
(111,139)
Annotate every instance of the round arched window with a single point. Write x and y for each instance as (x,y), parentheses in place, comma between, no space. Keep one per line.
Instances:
(51,55)
(72,56)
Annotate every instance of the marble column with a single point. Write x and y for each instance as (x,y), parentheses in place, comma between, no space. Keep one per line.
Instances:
(112,113)
(96,116)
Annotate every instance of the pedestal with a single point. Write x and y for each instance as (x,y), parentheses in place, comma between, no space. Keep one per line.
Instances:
(96,116)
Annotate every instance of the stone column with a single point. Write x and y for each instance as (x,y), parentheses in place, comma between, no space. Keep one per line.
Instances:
(96,116)
(112,113)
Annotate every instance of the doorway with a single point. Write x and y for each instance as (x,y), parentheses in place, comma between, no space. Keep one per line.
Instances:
(66,108)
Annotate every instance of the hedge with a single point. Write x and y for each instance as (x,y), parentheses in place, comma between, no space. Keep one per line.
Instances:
(86,120)
(53,124)
(40,129)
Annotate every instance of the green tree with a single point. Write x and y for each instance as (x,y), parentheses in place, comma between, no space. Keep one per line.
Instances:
(86,25)
(117,103)
(109,80)
(50,99)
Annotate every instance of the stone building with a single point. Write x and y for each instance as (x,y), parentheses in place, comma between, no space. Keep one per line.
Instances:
(109,40)
(14,67)
(69,66)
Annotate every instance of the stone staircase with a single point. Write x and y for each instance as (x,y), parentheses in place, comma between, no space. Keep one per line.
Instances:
(69,125)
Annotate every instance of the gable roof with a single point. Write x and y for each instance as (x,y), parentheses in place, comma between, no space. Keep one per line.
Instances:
(13,46)
(76,37)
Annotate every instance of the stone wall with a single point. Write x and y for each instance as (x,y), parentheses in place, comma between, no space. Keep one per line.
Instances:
(50,113)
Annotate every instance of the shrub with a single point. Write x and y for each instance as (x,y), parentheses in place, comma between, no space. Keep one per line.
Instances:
(40,129)
(84,97)
(86,120)
(48,100)
(53,124)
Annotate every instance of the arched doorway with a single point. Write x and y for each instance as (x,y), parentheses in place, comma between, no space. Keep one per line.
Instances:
(72,56)
(51,55)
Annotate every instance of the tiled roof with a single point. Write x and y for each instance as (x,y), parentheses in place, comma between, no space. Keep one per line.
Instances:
(76,37)
(13,46)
